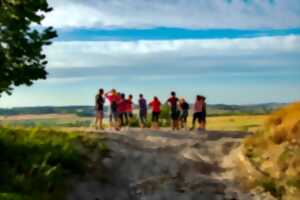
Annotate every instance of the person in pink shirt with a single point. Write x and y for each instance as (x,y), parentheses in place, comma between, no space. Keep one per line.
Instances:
(199,112)
(155,105)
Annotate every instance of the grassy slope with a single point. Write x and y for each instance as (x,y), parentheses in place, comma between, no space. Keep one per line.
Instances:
(275,152)
(36,163)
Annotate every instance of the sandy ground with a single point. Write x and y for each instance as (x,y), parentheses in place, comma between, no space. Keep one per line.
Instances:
(164,165)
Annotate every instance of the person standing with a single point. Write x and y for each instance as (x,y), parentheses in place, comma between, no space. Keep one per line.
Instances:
(173,104)
(113,99)
(155,105)
(129,109)
(199,112)
(142,111)
(99,106)
(122,111)
(184,112)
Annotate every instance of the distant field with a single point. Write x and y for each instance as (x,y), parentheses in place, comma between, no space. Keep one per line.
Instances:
(239,123)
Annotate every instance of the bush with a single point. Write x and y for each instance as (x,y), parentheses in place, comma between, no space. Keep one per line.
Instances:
(36,163)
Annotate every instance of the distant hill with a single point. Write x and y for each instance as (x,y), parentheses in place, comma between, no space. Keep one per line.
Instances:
(212,110)
(255,109)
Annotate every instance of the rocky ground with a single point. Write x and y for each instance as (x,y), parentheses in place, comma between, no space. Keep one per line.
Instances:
(165,165)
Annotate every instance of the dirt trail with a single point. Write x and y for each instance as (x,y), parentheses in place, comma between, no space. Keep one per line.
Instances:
(164,165)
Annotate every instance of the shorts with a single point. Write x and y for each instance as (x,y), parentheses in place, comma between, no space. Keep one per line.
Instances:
(100,113)
(155,116)
(200,116)
(113,116)
(175,114)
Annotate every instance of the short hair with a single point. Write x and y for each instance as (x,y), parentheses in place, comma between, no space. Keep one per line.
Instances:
(101,90)
(123,95)
(141,95)
(173,93)
(130,96)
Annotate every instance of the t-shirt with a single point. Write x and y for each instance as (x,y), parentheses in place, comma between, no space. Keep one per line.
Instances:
(128,105)
(155,106)
(199,106)
(122,106)
(99,102)
(143,105)
(173,102)
(113,99)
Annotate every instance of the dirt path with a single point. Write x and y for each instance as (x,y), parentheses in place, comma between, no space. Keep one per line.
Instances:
(164,165)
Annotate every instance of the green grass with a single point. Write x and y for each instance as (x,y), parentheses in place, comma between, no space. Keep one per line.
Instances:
(36,163)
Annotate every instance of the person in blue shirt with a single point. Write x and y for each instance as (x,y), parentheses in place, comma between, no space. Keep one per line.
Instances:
(142,111)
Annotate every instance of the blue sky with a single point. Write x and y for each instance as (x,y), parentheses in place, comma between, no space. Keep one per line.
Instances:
(233,52)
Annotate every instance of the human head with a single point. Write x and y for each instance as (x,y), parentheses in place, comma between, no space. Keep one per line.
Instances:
(173,94)
(141,96)
(123,96)
(200,97)
(114,91)
(155,98)
(101,91)
(130,96)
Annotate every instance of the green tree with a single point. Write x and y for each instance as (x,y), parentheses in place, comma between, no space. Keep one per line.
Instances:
(21,42)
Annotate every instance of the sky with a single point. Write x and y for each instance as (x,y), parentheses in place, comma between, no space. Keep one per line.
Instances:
(231,51)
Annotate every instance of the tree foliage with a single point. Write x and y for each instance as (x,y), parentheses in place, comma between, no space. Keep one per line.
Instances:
(21,42)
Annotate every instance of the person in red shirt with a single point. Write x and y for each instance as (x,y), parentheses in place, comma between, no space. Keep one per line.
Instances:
(155,105)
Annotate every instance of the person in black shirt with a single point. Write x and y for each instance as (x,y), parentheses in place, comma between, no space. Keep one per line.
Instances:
(173,103)
(184,112)
(99,107)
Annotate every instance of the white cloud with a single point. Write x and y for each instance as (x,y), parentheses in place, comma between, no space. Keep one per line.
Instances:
(268,51)
(175,13)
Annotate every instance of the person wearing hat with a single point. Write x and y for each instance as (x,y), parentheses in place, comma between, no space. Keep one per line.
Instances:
(184,112)
(199,112)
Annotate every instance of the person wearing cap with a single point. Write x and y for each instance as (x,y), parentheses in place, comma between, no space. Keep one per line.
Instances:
(99,107)
(184,112)
(199,112)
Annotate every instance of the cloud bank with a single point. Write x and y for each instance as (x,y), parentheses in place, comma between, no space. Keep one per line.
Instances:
(194,14)
(173,57)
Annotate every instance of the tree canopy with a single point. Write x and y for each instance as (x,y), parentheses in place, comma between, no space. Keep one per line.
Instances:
(21,42)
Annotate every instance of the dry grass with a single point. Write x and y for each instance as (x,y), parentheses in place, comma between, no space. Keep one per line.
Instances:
(275,150)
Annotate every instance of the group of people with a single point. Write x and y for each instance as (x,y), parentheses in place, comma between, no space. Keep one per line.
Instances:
(121,110)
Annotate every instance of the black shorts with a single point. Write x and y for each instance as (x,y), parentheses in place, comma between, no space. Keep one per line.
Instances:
(200,116)
(155,116)
(175,114)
